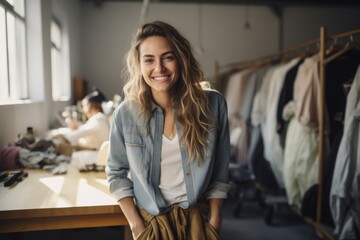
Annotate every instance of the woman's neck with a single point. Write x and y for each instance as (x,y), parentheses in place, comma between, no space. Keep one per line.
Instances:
(92,113)
(164,101)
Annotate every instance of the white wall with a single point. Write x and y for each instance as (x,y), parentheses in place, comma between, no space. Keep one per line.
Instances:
(107,33)
(302,24)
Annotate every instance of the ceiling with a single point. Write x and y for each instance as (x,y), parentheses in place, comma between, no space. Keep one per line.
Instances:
(277,3)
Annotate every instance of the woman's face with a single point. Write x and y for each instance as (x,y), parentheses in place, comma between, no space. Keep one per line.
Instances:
(158,64)
(86,107)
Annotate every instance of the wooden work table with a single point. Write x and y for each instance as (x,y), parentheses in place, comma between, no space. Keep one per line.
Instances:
(43,201)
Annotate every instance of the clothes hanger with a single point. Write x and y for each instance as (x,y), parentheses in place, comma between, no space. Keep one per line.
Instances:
(349,46)
(333,48)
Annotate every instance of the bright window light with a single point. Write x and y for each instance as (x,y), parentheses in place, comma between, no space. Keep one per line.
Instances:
(13,70)
(60,85)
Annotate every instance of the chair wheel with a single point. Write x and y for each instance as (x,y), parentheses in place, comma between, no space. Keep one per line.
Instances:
(268,215)
(262,203)
(237,209)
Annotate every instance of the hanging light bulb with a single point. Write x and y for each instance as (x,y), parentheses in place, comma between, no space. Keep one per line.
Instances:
(247,25)
(200,48)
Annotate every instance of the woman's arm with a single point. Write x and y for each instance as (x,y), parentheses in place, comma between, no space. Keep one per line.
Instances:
(216,205)
(132,215)
(117,169)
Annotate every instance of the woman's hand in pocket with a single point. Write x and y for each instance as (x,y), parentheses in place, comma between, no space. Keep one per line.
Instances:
(137,230)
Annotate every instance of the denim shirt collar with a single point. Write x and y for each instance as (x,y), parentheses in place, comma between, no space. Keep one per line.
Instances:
(154,106)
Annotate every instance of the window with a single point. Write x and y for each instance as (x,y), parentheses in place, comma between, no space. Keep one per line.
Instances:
(13,65)
(60,85)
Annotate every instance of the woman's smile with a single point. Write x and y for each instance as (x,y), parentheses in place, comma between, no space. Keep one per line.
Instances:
(162,78)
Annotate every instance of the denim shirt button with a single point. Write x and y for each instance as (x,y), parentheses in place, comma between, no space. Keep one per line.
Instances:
(187,174)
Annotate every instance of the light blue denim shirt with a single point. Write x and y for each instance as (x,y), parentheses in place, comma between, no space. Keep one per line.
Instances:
(136,149)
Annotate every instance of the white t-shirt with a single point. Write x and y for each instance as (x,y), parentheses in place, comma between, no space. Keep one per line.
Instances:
(172,184)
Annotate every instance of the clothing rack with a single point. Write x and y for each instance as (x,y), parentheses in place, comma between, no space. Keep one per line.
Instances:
(321,43)
(322,64)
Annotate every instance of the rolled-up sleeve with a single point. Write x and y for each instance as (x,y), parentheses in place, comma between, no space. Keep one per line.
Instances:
(117,168)
(219,185)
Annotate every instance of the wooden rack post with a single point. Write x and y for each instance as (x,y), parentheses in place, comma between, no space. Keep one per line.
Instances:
(321,123)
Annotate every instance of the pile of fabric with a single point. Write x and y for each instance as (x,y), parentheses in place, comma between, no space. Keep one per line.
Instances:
(52,155)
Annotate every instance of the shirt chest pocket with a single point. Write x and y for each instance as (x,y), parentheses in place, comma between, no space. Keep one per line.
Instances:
(135,147)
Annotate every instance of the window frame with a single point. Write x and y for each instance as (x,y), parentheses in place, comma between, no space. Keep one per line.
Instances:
(60,89)
(16,73)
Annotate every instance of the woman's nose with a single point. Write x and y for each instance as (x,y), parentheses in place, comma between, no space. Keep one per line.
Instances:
(159,66)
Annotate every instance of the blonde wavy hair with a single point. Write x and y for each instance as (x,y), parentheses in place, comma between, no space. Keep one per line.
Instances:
(188,93)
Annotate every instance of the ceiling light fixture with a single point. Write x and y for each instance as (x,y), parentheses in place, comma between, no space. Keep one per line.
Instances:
(247,25)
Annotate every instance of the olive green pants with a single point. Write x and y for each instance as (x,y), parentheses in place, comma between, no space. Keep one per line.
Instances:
(179,224)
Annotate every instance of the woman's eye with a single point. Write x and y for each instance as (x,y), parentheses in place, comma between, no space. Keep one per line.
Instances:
(148,60)
(168,58)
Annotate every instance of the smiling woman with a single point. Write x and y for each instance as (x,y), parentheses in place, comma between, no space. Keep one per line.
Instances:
(171,134)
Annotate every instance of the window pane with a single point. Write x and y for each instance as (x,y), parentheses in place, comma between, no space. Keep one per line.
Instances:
(55,34)
(11,2)
(17,58)
(56,74)
(4,81)
(60,84)
(19,7)
(12,54)
(21,58)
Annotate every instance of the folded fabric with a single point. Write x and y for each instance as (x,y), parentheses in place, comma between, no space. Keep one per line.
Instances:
(9,158)
(83,158)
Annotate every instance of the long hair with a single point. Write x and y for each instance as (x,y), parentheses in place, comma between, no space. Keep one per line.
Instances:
(188,95)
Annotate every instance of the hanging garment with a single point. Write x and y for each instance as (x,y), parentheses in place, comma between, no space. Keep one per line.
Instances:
(300,152)
(338,72)
(242,145)
(259,167)
(326,216)
(286,95)
(300,161)
(222,80)
(240,94)
(234,94)
(235,91)
(306,89)
(258,110)
(345,189)
(252,87)
(273,150)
